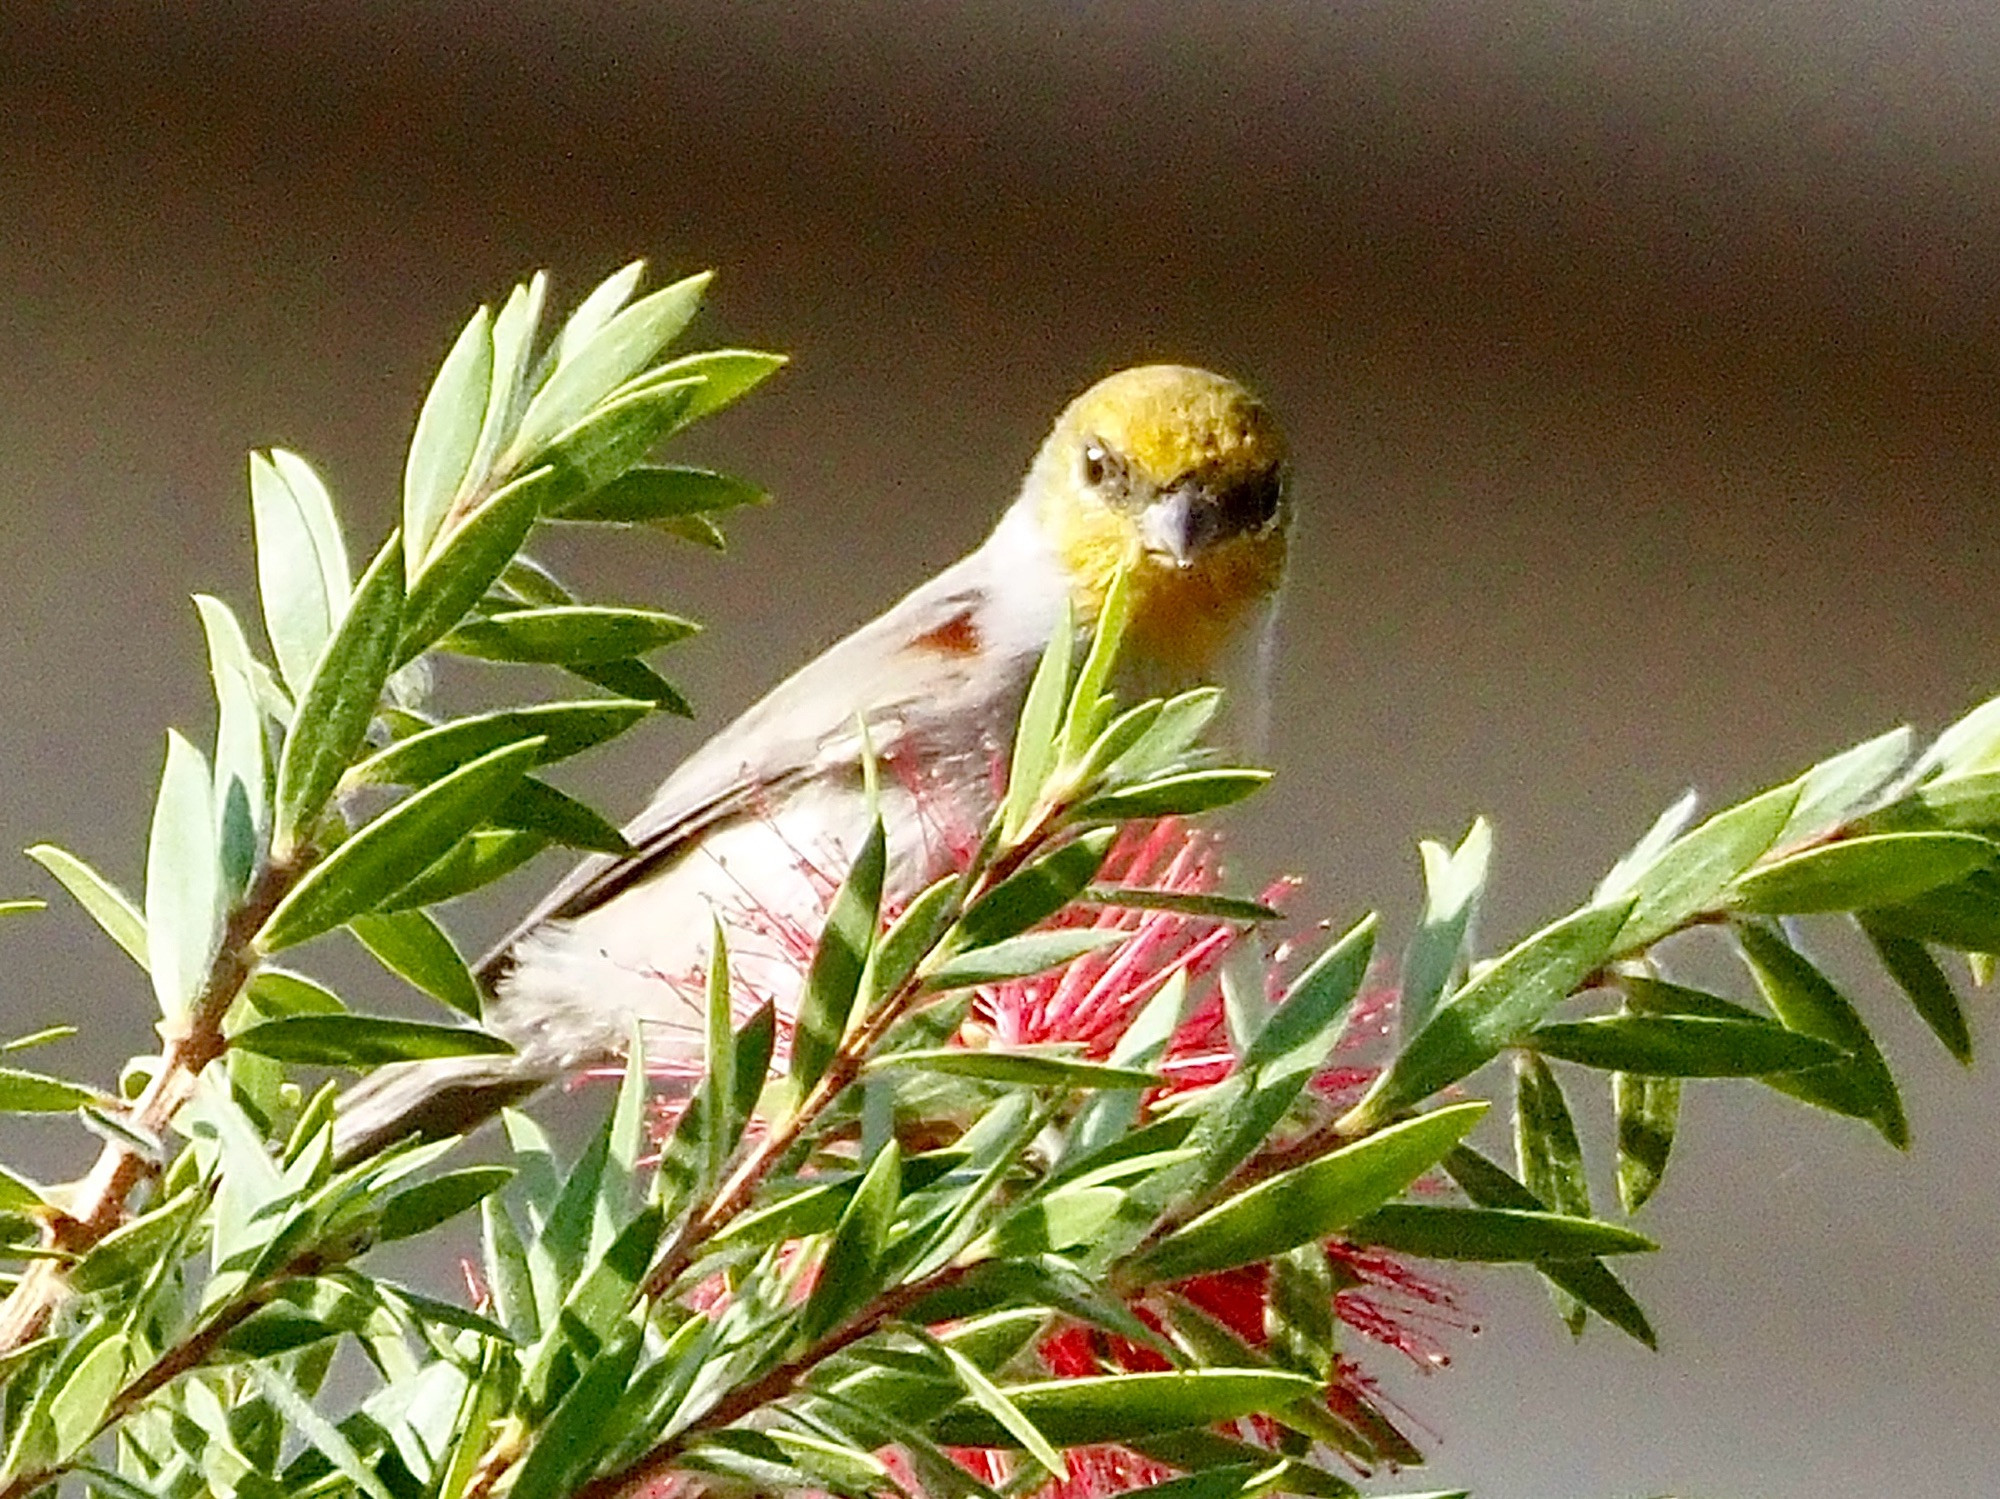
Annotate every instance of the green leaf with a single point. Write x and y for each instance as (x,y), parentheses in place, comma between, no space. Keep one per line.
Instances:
(447,437)
(1211,907)
(1085,715)
(834,977)
(242,779)
(849,1278)
(1885,869)
(719,1052)
(909,939)
(726,375)
(581,634)
(1682,1046)
(1806,1002)
(656,494)
(991,1399)
(1648,1110)
(1491,1235)
(302,570)
(277,992)
(1690,876)
(633,678)
(614,437)
(565,729)
(475,861)
(1127,1407)
(1588,1280)
(1924,981)
(1493,1011)
(507,1276)
(1014,1067)
(42,1037)
(23,906)
(1020,957)
(303,1418)
(395,848)
(106,904)
(1620,881)
(469,559)
(1035,744)
(513,343)
(1966,803)
(1549,1158)
(1174,730)
(597,309)
(338,702)
(537,807)
(1185,794)
(35,1093)
(1034,893)
(1206,1454)
(1966,748)
(362,1040)
(183,880)
(17,1193)
(1835,789)
(411,945)
(1309,1202)
(79,1405)
(1965,916)
(588,372)
(422,1208)
(1453,882)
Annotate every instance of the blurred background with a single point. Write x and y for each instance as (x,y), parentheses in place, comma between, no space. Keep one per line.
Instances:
(1640,361)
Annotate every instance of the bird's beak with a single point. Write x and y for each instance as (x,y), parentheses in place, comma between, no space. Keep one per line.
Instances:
(1172,525)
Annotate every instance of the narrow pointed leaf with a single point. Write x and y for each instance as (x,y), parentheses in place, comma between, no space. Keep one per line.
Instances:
(338,701)
(1492,1235)
(1682,1046)
(1929,988)
(613,354)
(582,634)
(1453,882)
(302,569)
(362,1040)
(421,1208)
(635,679)
(1805,1001)
(1021,957)
(1035,743)
(513,343)
(106,904)
(1588,1280)
(1185,794)
(395,848)
(726,376)
(1210,906)
(1036,892)
(475,861)
(1695,869)
(1884,869)
(1015,1067)
(1648,1112)
(469,559)
(1967,803)
(446,438)
(848,1279)
(35,1093)
(537,807)
(1309,1202)
(834,977)
(411,945)
(1128,1407)
(1550,1158)
(1835,789)
(594,311)
(1084,717)
(242,779)
(1623,877)
(183,880)
(565,729)
(1965,915)
(655,494)
(1494,1010)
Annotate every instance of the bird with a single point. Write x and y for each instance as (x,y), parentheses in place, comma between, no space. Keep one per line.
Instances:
(1176,475)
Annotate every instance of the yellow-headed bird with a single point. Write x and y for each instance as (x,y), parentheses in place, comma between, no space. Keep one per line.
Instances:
(1176,472)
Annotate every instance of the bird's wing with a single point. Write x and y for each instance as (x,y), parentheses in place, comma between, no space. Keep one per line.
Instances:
(924,661)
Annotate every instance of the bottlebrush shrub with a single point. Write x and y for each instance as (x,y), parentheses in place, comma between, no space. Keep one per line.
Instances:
(1054,1179)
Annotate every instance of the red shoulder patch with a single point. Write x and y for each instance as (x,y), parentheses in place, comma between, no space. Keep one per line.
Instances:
(957,636)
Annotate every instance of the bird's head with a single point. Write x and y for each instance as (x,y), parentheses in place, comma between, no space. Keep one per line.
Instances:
(1180,474)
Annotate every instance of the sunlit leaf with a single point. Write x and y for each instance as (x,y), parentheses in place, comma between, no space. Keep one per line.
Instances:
(447,437)
(302,569)
(567,636)
(1884,869)
(411,945)
(106,904)
(183,880)
(1690,876)
(362,1040)
(1924,981)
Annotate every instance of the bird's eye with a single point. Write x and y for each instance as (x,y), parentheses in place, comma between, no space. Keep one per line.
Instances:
(1098,465)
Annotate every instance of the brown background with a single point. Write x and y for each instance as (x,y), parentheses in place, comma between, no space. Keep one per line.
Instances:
(1640,362)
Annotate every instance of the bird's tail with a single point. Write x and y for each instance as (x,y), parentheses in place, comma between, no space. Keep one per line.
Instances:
(428,1100)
